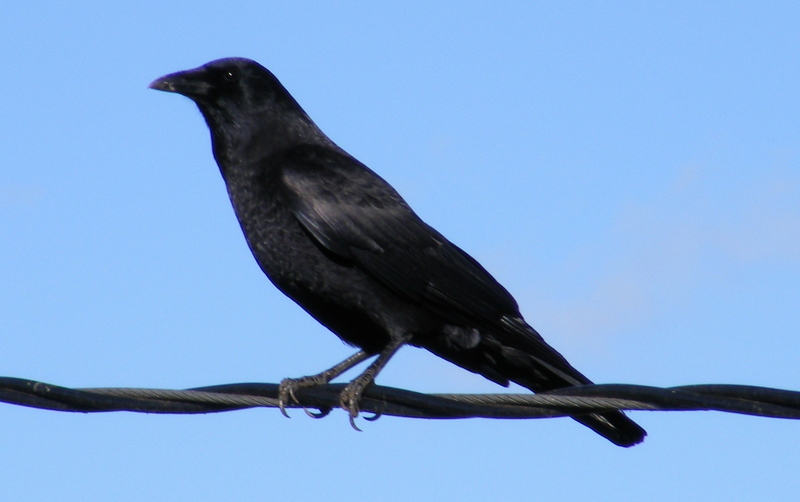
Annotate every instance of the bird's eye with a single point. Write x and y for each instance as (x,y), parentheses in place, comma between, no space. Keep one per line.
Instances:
(230,76)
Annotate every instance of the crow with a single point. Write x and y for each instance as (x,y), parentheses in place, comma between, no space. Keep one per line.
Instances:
(337,239)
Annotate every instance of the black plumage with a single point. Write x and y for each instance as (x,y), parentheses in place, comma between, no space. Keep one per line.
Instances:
(341,242)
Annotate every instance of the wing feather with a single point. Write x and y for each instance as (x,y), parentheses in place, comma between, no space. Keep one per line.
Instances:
(355,214)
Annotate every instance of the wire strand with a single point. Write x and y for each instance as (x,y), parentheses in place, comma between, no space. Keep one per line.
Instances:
(379,400)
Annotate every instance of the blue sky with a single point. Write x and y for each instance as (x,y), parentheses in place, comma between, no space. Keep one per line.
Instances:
(630,172)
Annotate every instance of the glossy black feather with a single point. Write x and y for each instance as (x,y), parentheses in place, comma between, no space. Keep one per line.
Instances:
(340,241)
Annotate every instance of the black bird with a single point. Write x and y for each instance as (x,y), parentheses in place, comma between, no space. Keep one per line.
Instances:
(341,242)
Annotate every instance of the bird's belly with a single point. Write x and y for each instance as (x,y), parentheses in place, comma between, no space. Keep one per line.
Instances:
(334,291)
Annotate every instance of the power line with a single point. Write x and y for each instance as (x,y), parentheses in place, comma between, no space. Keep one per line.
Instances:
(379,400)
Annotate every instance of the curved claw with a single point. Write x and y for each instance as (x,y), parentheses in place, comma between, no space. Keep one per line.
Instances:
(286,392)
(281,401)
(322,413)
(374,417)
(283,408)
(348,400)
(353,423)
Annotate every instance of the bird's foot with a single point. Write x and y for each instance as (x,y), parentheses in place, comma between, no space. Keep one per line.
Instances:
(350,397)
(288,386)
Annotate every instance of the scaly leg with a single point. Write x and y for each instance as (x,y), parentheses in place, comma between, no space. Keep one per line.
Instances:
(351,395)
(288,386)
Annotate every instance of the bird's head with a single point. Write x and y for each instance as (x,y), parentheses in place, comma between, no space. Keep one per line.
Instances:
(224,82)
(245,106)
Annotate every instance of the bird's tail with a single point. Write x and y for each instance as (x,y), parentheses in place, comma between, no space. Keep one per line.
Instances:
(541,368)
(517,353)
(614,426)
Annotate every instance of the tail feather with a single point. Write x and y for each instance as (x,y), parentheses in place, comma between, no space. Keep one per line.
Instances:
(614,426)
(539,376)
(518,354)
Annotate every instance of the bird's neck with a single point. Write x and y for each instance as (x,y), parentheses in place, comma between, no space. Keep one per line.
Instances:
(248,140)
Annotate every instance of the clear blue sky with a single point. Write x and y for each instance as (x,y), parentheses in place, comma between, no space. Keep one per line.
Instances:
(630,172)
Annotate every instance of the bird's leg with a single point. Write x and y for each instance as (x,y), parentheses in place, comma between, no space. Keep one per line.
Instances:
(351,395)
(288,386)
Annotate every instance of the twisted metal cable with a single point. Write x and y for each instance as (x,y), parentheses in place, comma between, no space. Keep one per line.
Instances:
(379,400)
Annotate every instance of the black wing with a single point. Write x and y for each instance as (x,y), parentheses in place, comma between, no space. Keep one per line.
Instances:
(355,214)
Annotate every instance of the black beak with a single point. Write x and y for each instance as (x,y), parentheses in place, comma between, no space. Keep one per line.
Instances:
(190,83)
